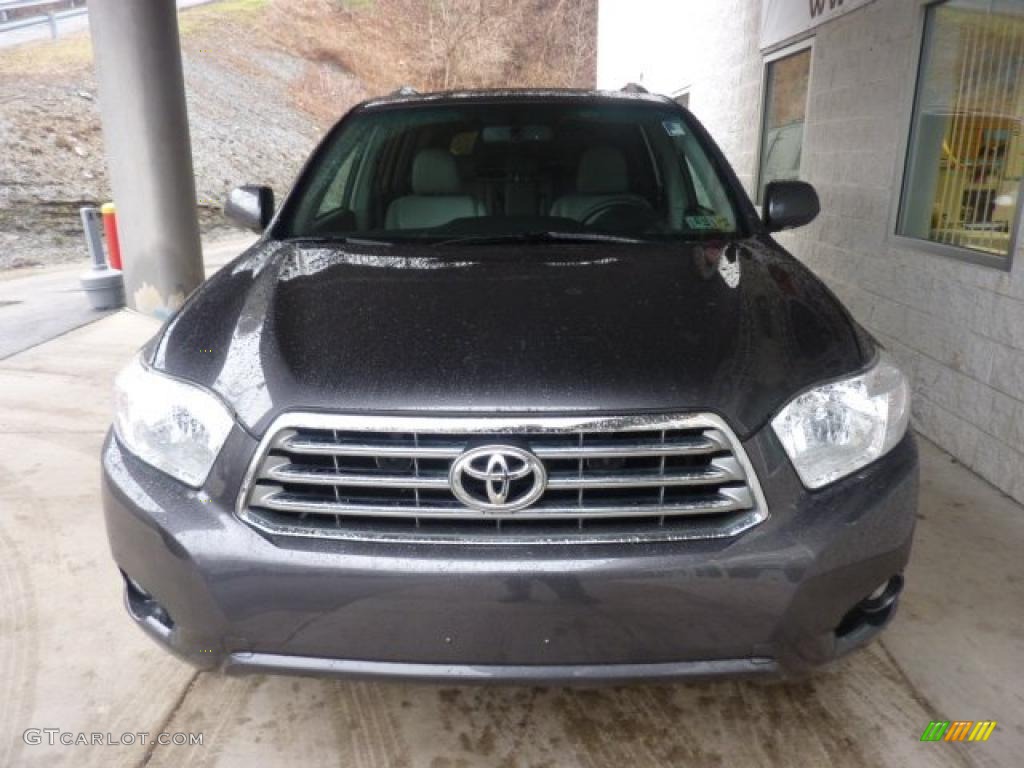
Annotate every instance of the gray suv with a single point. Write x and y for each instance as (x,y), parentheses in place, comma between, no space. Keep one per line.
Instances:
(514,386)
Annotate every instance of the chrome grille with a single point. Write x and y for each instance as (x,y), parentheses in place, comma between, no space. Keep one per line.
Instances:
(633,478)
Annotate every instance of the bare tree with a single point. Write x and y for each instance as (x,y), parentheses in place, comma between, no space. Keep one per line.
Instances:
(371,47)
(468,42)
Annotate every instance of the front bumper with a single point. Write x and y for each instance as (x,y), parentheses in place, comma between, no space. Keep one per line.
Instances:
(769,601)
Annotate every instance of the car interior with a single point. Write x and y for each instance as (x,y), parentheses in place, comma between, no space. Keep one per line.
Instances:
(448,172)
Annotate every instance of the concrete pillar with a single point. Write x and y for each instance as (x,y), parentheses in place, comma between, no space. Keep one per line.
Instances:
(145,130)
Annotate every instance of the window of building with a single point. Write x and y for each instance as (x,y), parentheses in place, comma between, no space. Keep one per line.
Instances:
(965,165)
(782,124)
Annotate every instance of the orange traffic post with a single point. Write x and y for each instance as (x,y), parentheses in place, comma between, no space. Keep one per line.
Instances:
(110,231)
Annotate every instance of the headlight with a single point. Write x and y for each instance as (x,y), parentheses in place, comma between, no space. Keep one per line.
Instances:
(177,427)
(835,429)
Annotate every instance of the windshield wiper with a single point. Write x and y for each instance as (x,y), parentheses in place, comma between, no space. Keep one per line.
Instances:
(337,239)
(539,237)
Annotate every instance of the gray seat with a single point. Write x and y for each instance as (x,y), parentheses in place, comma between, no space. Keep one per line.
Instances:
(601,180)
(435,198)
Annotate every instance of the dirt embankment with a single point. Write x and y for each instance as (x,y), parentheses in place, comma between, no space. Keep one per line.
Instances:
(263,79)
(243,124)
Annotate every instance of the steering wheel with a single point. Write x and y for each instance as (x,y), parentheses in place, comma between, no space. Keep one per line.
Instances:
(625,206)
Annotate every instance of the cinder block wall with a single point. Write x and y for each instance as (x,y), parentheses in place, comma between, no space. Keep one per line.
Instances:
(958,328)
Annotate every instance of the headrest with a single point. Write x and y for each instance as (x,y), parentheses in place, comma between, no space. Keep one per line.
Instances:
(434,173)
(602,171)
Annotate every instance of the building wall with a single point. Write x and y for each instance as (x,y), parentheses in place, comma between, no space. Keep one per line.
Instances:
(957,327)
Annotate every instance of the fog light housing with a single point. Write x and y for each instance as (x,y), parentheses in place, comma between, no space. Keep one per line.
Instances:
(874,610)
(877,594)
(142,605)
(883,597)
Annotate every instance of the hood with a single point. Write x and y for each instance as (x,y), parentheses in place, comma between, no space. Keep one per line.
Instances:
(734,328)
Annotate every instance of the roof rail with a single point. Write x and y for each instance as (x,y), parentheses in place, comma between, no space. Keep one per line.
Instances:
(633,88)
(404,90)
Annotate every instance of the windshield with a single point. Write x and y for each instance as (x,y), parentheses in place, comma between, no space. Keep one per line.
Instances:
(480,172)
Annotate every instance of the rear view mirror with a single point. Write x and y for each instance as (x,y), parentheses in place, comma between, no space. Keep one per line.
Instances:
(250,207)
(501,134)
(789,204)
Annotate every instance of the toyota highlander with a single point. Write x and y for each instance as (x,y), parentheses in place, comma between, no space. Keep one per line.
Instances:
(514,385)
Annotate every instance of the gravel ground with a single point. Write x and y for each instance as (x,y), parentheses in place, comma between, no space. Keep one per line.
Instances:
(243,126)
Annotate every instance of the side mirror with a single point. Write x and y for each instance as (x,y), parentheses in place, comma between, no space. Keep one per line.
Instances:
(250,207)
(789,204)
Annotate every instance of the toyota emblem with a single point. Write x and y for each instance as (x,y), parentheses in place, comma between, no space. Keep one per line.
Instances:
(498,478)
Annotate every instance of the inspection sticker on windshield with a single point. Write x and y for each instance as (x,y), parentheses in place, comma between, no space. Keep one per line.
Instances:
(674,127)
(707,222)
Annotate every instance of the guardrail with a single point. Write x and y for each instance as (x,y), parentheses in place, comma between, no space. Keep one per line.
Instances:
(77,8)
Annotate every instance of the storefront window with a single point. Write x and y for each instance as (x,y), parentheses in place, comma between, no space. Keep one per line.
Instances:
(785,111)
(966,160)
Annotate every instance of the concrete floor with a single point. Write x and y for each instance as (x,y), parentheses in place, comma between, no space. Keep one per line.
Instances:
(37,305)
(70,658)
